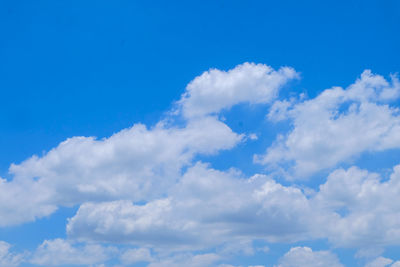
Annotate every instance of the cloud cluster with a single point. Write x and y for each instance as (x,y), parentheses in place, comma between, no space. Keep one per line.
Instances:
(337,125)
(61,252)
(145,188)
(370,216)
(136,163)
(207,208)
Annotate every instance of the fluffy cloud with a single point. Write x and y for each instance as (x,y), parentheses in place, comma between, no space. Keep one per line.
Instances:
(215,90)
(142,187)
(7,258)
(305,257)
(61,252)
(23,201)
(206,208)
(369,214)
(336,126)
(209,208)
(136,164)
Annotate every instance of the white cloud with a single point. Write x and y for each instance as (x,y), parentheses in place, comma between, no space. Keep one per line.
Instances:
(215,90)
(136,164)
(209,208)
(135,255)
(62,252)
(336,126)
(206,208)
(7,258)
(279,110)
(23,201)
(305,257)
(369,214)
(141,187)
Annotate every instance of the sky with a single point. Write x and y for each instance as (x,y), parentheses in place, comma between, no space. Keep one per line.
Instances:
(200,133)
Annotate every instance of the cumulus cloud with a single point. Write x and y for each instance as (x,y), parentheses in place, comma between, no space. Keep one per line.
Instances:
(216,90)
(306,257)
(24,201)
(336,126)
(206,208)
(61,252)
(369,214)
(210,208)
(136,164)
(7,258)
(145,187)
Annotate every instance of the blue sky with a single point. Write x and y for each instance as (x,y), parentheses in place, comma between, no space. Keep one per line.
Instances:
(202,120)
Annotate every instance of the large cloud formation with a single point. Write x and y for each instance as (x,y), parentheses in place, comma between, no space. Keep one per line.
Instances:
(354,208)
(138,162)
(133,164)
(337,125)
(146,189)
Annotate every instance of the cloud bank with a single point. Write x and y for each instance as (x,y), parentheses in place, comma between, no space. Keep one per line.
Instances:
(144,195)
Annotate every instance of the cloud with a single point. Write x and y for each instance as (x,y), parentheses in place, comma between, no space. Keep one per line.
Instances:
(336,126)
(23,201)
(305,257)
(135,255)
(216,90)
(7,258)
(61,252)
(146,188)
(206,208)
(137,164)
(369,216)
(380,262)
(209,208)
